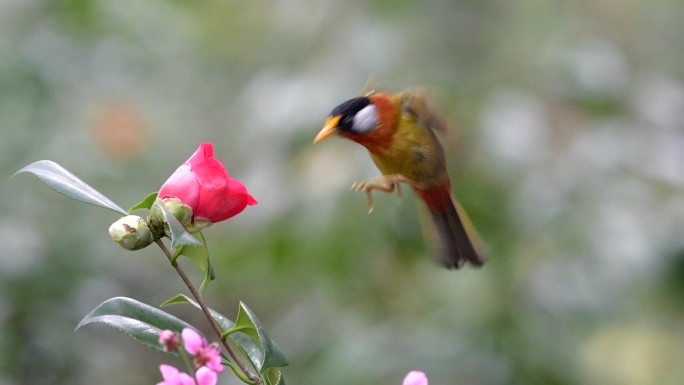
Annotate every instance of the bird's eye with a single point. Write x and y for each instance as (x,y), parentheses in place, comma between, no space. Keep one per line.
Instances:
(365,120)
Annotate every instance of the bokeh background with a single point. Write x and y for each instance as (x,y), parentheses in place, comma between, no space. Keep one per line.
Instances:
(567,149)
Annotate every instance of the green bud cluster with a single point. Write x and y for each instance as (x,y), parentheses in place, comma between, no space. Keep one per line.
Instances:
(131,232)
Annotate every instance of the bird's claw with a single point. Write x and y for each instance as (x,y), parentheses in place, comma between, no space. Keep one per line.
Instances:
(386,184)
(366,188)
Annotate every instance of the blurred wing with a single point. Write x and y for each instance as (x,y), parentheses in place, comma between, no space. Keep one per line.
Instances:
(369,87)
(416,102)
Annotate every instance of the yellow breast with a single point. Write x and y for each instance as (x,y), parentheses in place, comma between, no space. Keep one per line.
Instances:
(414,153)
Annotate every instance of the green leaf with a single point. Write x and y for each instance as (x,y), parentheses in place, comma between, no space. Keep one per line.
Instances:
(200,257)
(69,184)
(179,236)
(248,323)
(141,321)
(244,323)
(208,277)
(145,204)
(223,322)
(274,377)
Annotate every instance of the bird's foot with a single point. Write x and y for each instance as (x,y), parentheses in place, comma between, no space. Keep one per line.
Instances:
(368,186)
(385,184)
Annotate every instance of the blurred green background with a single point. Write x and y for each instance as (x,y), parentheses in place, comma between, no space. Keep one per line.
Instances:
(567,150)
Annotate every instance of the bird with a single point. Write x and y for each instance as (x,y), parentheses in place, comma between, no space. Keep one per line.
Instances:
(398,130)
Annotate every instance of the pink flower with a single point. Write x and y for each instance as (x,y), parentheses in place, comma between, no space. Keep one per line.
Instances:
(415,377)
(169,340)
(203,183)
(172,376)
(206,354)
(206,376)
(192,341)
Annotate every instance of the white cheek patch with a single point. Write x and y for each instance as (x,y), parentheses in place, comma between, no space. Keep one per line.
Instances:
(365,120)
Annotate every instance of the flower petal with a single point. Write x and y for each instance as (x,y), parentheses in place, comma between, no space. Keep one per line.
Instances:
(214,362)
(165,335)
(204,157)
(203,183)
(206,376)
(415,377)
(192,341)
(182,184)
(170,375)
(219,204)
(186,379)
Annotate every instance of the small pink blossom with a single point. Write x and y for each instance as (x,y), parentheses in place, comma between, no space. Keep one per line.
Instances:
(206,354)
(415,377)
(169,340)
(173,376)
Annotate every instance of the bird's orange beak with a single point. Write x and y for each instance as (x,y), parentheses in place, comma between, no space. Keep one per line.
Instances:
(329,129)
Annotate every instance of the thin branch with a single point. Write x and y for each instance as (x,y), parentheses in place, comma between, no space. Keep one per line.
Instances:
(214,325)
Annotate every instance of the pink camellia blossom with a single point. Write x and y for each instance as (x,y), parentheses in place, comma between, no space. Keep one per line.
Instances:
(206,354)
(173,376)
(203,184)
(415,377)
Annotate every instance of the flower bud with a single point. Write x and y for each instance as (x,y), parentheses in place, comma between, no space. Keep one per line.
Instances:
(178,209)
(131,232)
(169,340)
(203,183)
(181,211)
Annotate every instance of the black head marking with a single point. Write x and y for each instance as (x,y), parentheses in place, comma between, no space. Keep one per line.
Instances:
(348,110)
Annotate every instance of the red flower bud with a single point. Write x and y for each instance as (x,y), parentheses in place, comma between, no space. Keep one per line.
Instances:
(203,183)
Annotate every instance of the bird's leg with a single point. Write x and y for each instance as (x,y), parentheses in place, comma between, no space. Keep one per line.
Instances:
(370,185)
(385,183)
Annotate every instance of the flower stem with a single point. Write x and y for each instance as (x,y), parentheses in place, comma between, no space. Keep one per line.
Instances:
(254,378)
(186,359)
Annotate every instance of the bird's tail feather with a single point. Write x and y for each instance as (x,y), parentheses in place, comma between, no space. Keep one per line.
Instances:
(458,241)
(456,246)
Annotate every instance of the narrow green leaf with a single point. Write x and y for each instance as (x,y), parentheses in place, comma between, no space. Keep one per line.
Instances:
(141,321)
(145,204)
(178,298)
(63,181)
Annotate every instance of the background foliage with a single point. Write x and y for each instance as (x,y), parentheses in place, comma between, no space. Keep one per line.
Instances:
(567,149)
